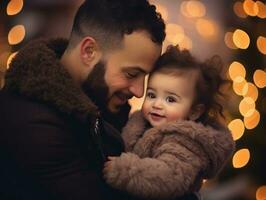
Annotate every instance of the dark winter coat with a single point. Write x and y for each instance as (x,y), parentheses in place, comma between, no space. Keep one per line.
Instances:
(168,161)
(47,136)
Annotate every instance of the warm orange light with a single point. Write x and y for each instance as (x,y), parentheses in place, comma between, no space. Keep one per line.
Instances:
(206,28)
(10,59)
(261,44)
(183,8)
(16,34)
(236,69)
(162,10)
(14,7)
(195,9)
(228,39)
(250,7)
(261,193)
(238,85)
(262,9)
(238,9)
(259,78)
(241,39)
(174,33)
(186,43)
(241,158)
(247,107)
(237,128)
(252,121)
(250,90)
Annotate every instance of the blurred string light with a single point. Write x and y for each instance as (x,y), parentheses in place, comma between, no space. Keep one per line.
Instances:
(186,43)
(250,90)
(261,193)
(262,9)
(14,7)
(193,9)
(10,59)
(18,32)
(261,44)
(236,69)
(174,33)
(237,128)
(228,39)
(241,39)
(250,7)
(247,106)
(238,85)
(204,24)
(252,121)
(241,158)
(238,9)
(259,78)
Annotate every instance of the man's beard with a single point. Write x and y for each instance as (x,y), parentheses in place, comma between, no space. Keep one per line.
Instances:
(96,88)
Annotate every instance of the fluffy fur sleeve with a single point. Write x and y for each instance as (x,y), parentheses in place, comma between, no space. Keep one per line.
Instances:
(150,178)
(133,130)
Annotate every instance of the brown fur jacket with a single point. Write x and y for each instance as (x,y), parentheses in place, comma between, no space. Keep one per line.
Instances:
(168,161)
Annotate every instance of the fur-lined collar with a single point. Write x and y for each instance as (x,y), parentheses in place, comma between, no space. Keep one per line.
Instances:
(37,73)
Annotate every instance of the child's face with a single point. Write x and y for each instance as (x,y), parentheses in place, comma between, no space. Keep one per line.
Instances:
(169,97)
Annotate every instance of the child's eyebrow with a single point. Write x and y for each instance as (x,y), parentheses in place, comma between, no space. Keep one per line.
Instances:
(172,93)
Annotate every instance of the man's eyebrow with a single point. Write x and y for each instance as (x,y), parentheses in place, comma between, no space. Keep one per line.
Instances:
(136,68)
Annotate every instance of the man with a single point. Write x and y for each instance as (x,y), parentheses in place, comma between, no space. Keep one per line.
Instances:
(53,139)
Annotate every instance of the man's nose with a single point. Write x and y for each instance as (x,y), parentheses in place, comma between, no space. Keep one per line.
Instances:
(137,88)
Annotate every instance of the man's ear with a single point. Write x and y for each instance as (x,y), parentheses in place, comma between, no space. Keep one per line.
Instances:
(89,51)
(196,112)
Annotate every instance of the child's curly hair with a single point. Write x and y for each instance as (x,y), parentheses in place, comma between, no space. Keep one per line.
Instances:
(209,83)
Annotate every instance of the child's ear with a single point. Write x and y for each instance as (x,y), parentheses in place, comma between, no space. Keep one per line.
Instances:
(196,112)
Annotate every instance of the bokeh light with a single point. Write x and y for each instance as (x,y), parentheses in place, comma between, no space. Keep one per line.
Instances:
(195,9)
(261,193)
(16,34)
(259,78)
(10,59)
(236,69)
(228,40)
(247,107)
(186,43)
(241,158)
(174,33)
(241,39)
(238,85)
(252,121)
(262,9)
(14,7)
(204,24)
(237,128)
(261,44)
(250,7)
(250,90)
(238,9)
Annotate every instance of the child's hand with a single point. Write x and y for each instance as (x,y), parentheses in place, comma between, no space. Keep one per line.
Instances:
(108,166)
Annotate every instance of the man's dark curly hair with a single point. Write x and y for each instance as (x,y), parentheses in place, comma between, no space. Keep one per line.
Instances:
(109,20)
(209,83)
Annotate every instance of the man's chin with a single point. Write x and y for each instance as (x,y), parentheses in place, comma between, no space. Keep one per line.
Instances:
(114,108)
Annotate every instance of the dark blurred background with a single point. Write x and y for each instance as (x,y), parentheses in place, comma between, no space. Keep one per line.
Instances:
(235,30)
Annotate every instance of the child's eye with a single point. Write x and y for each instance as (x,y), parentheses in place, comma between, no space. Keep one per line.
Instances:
(150,95)
(170,99)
